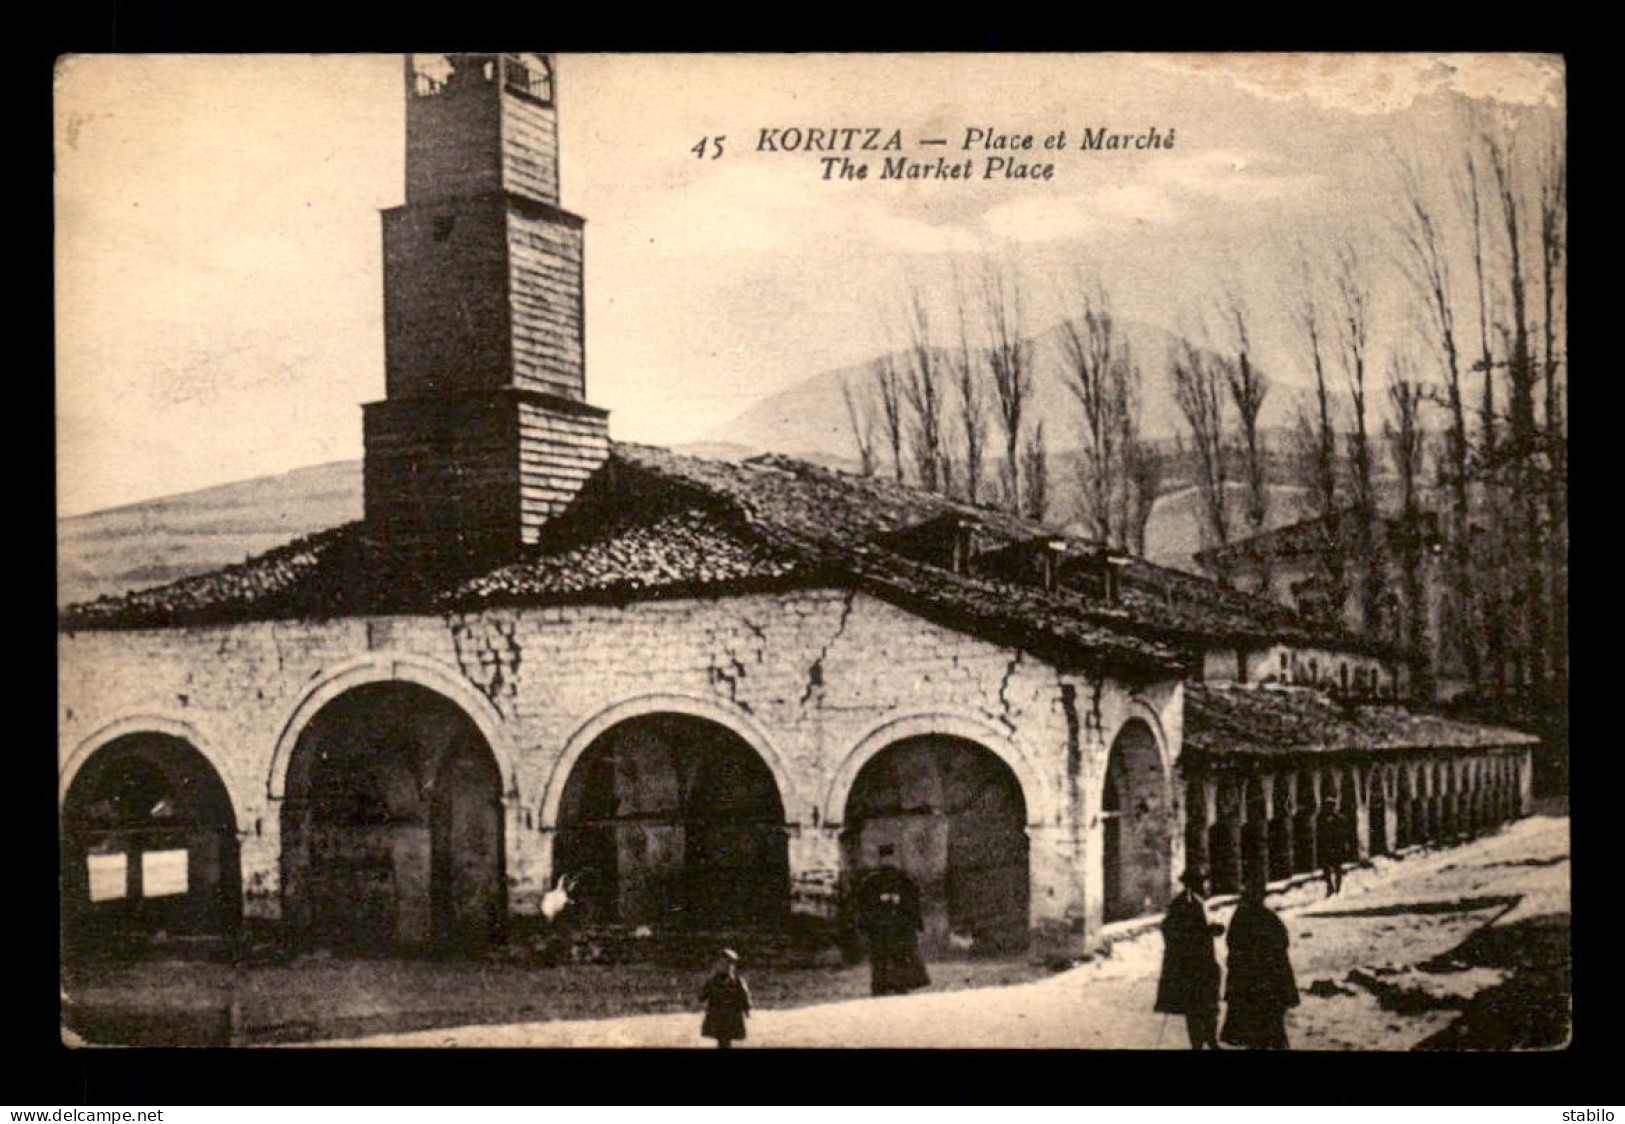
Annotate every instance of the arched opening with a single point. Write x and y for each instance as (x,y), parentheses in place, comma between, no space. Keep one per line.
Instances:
(1137,826)
(951,815)
(1377,810)
(392,827)
(671,819)
(149,846)
(1280,833)
(1224,837)
(1404,833)
(1255,834)
(1305,853)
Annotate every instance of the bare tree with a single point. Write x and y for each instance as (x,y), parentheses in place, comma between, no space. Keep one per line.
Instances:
(1553,255)
(1248,387)
(1488,611)
(924,380)
(860,415)
(1009,357)
(1425,264)
(1354,334)
(1199,393)
(888,386)
(1315,436)
(1522,434)
(1405,436)
(1035,470)
(1144,464)
(969,375)
(1099,371)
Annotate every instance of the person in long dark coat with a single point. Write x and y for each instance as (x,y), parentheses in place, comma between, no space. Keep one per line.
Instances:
(1332,840)
(1260,985)
(889,914)
(1189,984)
(727,1002)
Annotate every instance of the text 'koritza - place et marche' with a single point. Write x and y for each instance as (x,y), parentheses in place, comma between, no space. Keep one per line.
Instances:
(711,693)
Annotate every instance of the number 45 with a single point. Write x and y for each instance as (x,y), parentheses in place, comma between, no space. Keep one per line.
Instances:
(716,147)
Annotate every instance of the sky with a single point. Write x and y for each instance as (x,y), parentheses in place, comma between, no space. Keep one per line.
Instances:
(218,249)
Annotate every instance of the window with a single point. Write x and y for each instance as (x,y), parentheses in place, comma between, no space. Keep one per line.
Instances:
(530,75)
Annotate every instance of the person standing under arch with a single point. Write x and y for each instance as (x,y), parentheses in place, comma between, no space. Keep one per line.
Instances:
(889,915)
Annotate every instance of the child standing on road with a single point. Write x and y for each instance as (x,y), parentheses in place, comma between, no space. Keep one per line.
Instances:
(727,1001)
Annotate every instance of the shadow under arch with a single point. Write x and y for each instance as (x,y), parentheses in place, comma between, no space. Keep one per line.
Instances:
(946,816)
(393,823)
(1037,796)
(152,723)
(668,817)
(149,842)
(735,721)
(376,668)
(1138,829)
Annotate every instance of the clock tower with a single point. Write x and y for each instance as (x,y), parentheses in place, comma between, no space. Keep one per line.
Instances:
(485,432)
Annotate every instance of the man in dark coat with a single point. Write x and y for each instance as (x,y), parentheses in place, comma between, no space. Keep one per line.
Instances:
(727,1001)
(1260,985)
(889,914)
(1332,840)
(1189,984)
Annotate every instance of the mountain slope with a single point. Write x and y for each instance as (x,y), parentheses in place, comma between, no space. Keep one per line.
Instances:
(157,541)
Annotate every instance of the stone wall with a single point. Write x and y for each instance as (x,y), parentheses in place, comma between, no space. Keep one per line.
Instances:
(816,682)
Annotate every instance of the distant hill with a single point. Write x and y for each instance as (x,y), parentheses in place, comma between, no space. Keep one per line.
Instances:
(158,541)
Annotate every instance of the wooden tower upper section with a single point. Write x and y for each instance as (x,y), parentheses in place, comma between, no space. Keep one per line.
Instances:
(485,432)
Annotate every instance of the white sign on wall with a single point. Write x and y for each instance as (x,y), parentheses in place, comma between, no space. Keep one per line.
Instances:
(108,877)
(163,873)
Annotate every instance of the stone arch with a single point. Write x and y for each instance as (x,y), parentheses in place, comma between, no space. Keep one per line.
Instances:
(1138,814)
(393,820)
(671,817)
(149,839)
(948,816)
(736,721)
(430,674)
(1036,794)
(152,723)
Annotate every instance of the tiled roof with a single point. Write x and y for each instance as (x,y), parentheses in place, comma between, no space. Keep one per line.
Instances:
(1266,720)
(654,523)
(1310,538)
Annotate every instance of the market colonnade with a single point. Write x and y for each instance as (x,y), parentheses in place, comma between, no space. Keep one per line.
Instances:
(1269,817)
(395,819)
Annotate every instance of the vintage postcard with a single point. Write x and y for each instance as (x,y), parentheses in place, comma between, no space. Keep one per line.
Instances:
(936,551)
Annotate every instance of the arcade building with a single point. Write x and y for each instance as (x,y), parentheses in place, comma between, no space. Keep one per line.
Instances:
(712,693)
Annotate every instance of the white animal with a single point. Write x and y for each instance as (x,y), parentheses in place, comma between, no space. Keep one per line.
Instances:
(961,942)
(554,901)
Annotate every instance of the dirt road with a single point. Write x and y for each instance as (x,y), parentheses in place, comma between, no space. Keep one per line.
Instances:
(1386,965)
